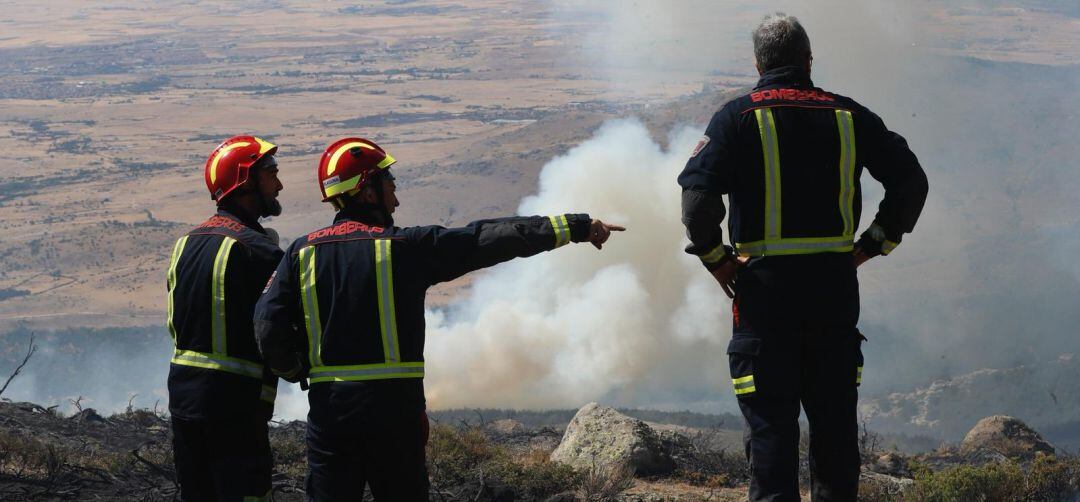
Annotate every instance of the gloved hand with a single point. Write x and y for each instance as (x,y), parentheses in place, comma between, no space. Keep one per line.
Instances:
(295,374)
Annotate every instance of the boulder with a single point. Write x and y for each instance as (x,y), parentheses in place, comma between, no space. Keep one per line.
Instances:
(506,427)
(599,437)
(1005,435)
(891,464)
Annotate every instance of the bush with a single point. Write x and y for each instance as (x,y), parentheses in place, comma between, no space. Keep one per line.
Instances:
(1053,478)
(604,484)
(465,460)
(1047,479)
(701,462)
(990,482)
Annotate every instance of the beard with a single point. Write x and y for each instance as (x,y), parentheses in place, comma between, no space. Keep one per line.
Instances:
(271,207)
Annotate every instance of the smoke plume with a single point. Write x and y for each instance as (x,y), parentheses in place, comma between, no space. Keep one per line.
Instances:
(623,325)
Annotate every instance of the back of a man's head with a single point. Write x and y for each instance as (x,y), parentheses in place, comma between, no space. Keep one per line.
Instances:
(780,40)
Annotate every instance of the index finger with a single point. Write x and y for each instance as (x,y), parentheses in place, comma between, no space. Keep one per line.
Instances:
(615,228)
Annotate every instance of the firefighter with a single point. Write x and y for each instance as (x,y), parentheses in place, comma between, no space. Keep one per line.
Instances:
(221,395)
(345,309)
(789,157)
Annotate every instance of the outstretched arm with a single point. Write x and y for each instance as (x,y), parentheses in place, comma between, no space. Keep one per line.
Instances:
(453,252)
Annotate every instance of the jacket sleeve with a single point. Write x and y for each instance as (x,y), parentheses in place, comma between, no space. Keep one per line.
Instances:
(453,252)
(706,178)
(890,161)
(278,318)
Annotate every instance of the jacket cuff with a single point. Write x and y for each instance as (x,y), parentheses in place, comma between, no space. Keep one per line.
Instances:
(579,226)
(876,241)
(717,256)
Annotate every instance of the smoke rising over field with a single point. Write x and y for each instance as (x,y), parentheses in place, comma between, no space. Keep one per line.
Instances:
(621,325)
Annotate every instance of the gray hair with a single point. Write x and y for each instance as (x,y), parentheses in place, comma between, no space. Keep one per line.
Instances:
(780,41)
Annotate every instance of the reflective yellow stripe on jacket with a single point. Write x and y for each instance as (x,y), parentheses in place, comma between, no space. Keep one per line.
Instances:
(178,251)
(774,243)
(392,366)
(384,278)
(562,230)
(218,358)
(310,301)
(847,169)
(217,296)
(218,362)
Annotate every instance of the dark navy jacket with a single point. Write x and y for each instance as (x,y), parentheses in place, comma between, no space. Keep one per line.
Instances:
(789,156)
(215,276)
(350,299)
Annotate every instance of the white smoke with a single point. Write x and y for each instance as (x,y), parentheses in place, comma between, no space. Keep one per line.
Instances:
(636,323)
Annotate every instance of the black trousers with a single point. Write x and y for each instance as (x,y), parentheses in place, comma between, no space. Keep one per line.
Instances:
(223,461)
(795,342)
(379,441)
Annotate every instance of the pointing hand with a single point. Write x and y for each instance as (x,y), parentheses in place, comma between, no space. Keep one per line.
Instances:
(599,232)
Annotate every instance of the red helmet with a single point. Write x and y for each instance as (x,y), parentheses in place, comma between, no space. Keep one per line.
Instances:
(349,164)
(228,165)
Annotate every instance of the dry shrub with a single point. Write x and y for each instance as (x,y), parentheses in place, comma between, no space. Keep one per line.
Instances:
(699,461)
(990,482)
(605,483)
(1053,478)
(28,458)
(465,460)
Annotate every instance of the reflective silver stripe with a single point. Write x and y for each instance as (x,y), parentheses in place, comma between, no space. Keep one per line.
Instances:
(268,394)
(218,362)
(384,276)
(561,227)
(310,299)
(178,251)
(888,246)
(717,254)
(373,372)
(796,246)
(771,155)
(217,296)
(847,169)
(744,385)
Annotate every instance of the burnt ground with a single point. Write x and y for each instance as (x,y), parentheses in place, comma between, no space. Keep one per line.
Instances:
(125,456)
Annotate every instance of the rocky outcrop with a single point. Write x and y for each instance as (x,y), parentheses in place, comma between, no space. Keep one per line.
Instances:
(599,437)
(1005,435)
(944,409)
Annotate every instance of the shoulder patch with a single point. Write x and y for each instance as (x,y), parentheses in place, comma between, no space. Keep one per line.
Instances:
(700,146)
(269,282)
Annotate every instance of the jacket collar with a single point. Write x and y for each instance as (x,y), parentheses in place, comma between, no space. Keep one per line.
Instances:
(793,76)
(357,213)
(237,214)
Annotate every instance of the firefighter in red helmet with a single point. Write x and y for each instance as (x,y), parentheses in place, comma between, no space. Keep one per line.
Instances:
(221,395)
(351,296)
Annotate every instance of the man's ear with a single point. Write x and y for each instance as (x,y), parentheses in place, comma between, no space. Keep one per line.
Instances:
(367,195)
